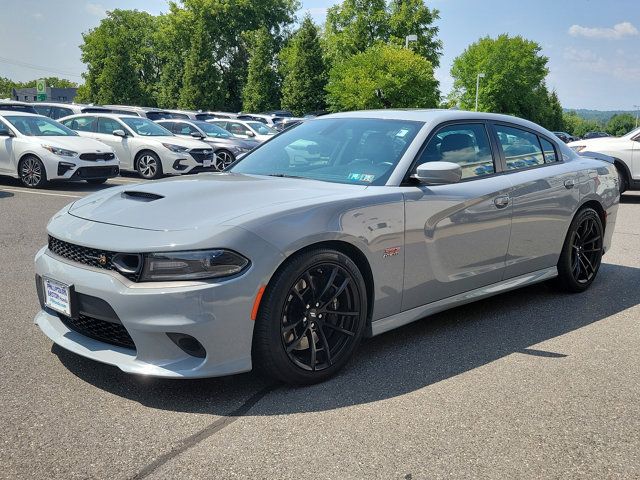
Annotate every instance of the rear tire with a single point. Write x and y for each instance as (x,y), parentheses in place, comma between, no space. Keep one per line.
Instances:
(149,166)
(32,172)
(311,318)
(582,252)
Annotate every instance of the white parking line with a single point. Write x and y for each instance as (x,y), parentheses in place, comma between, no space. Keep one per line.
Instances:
(2,189)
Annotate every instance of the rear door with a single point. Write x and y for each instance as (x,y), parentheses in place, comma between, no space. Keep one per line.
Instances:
(457,235)
(544,192)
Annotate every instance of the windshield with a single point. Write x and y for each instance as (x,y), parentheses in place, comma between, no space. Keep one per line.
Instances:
(39,126)
(213,130)
(361,151)
(262,129)
(145,128)
(633,132)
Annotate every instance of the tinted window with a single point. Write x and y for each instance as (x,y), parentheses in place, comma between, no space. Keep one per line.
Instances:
(360,151)
(184,129)
(81,124)
(261,128)
(145,127)
(18,108)
(108,125)
(43,110)
(159,115)
(549,151)
(213,130)
(39,127)
(237,128)
(465,144)
(521,148)
(59,112)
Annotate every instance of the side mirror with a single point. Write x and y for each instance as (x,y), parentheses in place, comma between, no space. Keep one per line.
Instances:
(119,133)
(6,133)
(438,173)
(250,133)
(197,135)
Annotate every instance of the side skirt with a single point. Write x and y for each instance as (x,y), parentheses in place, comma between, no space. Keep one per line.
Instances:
(403,318)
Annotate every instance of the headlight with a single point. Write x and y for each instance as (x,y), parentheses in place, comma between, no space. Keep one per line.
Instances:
(578,148)
(60,151)
(193,265)
(175,148)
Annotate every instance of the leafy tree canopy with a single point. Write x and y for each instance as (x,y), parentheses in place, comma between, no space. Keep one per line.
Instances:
(261,91)
(383,76)
(621,124)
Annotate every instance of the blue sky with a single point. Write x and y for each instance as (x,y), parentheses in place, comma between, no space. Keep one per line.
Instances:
(593,46)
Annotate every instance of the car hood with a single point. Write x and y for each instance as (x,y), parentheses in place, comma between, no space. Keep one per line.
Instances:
(200,201)
(77,144)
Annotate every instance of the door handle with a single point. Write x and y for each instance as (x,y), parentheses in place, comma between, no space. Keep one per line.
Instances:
(569,184)
(501,202)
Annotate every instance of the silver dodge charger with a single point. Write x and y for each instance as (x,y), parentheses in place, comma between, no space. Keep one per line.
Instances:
(343,227)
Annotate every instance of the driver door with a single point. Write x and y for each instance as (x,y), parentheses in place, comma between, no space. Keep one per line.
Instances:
(6,150)
(457,235)
(120,145)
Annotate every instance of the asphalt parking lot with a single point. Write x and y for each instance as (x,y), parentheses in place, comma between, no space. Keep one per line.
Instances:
(529,384)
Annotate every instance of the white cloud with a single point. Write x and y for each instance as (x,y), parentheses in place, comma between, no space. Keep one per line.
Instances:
(619,30)
(96,9)
(621,65)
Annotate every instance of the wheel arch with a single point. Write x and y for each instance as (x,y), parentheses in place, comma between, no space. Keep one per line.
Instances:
(597,206)
(351,251)
(142,151)
(624,168)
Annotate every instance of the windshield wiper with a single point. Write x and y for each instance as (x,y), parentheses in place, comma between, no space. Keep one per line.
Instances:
(284,175)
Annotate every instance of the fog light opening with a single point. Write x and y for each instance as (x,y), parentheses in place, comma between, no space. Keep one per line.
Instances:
(188,344)
(179,166)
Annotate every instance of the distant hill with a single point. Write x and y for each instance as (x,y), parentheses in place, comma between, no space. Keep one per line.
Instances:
(600,116)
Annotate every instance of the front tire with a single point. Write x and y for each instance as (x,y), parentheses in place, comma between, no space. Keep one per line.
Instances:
(149,166)
(32,172)
(582,252)
(311,319)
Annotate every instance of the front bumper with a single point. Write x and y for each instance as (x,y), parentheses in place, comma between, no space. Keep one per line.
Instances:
(185,162)
(217,314)
(61,168)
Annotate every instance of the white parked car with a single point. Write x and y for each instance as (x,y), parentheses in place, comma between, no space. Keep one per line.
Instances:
(37,149)
(246,129)
(143,145)
(625,150)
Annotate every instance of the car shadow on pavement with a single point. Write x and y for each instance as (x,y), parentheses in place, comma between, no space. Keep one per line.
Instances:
(398,362)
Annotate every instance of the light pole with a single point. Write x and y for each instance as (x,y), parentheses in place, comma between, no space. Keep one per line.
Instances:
(637,107)
(480,75)
(410,38)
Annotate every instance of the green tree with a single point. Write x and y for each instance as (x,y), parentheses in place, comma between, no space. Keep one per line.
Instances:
(261,91)
(120,58)
(383,76)
(514,77)
(51,82)
(304,75)
(576,125)
(355,25)
(201,78)
(621,124)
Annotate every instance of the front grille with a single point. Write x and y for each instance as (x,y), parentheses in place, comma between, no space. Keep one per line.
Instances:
(92,157)
(96,172)
(201,154)
(88,256)
(107,332)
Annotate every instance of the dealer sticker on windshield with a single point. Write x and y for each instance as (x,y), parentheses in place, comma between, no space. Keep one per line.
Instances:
(57,297)
(361,177)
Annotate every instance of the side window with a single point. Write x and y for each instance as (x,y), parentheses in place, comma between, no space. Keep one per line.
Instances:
(59,112)
(465,144)
(521,148)
(81,124)
(237,128)
(169,126)
(43,110)
(184,129)
(549,151)
(108,125)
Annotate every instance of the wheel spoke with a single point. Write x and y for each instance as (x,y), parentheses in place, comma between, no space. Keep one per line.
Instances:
(338,292)
(314,350)
(339,329)
(325,346)
(287,328)
(326,288)
(589,264)
(296,342)
(347,314)
(594,239)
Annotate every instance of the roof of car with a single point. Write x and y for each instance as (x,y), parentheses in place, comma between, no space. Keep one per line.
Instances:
(429,116)
(13,102)
(102,114)
(5,113)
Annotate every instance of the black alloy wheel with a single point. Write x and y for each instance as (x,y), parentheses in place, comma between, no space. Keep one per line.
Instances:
(582,252)
(311,319)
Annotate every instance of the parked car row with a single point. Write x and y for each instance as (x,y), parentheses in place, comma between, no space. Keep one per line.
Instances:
(150,141)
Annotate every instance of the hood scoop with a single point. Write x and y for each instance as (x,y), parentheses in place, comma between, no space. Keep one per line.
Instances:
(141,196)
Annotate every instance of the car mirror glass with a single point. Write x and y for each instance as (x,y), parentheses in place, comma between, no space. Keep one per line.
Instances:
(438,173)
